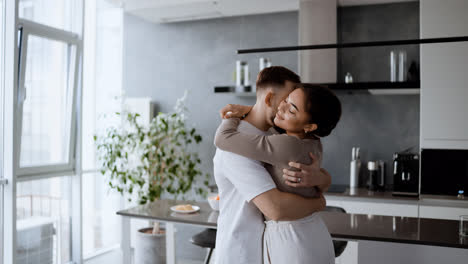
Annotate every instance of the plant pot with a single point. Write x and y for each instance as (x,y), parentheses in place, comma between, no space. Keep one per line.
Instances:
(149,248)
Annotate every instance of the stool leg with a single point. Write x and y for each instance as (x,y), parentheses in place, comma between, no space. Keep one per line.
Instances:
(208,256)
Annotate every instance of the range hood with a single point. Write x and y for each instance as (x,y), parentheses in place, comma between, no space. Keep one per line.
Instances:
(318,25)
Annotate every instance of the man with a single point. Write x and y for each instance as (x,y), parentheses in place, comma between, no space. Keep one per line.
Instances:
(247,190)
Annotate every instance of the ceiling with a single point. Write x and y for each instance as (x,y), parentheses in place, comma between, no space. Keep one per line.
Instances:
(166,11)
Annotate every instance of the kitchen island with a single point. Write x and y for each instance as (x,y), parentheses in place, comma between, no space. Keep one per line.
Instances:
(360,201)
(430,236)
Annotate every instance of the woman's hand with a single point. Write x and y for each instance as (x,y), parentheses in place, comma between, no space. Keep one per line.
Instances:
(308,175)
(234,111)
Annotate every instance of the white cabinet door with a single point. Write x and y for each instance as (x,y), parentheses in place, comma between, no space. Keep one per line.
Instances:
(444,75)
(375,208)
(382,209)
(437,212)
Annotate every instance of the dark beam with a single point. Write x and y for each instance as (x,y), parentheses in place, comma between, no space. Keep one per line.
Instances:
(357,44)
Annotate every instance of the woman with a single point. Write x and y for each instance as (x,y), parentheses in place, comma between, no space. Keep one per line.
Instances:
(309,112)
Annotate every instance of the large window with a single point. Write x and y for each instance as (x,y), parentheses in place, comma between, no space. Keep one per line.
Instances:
(101,225)
(60,14)
(52,105)
(102,92)
(46,127)
(47,107)
(49,62)
(44,221)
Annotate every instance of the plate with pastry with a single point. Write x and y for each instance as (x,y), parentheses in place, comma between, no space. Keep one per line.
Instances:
(185,208)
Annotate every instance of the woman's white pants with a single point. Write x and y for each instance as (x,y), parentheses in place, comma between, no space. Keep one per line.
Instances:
(306,240)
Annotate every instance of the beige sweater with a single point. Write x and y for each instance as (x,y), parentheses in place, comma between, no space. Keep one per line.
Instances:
(276,151)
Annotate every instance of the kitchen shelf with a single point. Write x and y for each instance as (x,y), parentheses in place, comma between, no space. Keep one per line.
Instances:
(377,88)
(357,44)
(373,85)
(232,90)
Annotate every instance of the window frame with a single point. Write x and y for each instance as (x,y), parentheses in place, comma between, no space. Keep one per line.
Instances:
(10,83)
(26,29)
(3,181)
(11,137)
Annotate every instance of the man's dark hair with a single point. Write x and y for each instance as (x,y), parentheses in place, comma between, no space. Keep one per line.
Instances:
(323,106)
(276,76)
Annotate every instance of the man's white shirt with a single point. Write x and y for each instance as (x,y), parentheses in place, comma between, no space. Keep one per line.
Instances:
(239,236)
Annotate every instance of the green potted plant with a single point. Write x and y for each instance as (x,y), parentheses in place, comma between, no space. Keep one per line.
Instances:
(144,162)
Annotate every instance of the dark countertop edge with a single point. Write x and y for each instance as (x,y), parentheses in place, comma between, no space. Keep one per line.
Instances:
(400,241)
(334,235)
(182,221)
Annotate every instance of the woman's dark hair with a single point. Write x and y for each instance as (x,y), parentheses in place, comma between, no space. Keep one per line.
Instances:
(323,106)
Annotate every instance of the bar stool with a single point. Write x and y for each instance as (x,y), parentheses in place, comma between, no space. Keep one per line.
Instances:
(338,245)
(205,239)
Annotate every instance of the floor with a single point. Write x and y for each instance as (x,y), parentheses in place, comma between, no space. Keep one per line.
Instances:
(186,252)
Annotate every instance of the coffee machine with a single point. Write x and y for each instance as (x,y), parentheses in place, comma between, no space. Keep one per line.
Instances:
(405,174)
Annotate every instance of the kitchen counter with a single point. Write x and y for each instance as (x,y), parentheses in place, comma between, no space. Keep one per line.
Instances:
(409,230)
(364,195)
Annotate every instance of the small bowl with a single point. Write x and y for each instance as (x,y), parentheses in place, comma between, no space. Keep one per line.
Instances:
(213,202)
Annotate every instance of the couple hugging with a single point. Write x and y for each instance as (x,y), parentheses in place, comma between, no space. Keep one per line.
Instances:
(271,183)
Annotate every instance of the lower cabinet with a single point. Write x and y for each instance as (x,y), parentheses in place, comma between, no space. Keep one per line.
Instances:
(406,210)
(439,212)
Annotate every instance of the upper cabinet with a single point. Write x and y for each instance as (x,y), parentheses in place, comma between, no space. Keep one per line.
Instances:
(444,75)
